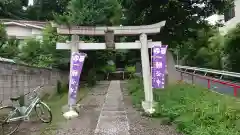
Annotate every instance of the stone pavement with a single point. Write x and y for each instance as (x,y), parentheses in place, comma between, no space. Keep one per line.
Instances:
(113,118)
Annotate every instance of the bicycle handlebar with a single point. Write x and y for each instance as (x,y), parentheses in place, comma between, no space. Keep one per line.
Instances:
(39,87)
(34,90)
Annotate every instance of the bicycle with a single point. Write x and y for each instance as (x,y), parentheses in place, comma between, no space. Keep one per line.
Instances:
(19,112)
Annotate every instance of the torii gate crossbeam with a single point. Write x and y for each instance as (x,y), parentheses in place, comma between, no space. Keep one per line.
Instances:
(102,46)
(143,45)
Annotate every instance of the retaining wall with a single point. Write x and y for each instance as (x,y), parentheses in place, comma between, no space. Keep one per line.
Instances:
(17,79)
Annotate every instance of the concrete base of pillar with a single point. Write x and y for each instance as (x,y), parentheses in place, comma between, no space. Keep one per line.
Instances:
(149,107)
(70,114)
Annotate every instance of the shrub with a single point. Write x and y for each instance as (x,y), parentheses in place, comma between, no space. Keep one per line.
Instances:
(135,89)
(61,87)
(91,77)
(108,68)
(195,110)
(131,69)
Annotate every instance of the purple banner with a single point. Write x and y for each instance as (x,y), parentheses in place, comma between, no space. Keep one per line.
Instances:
(77,60)
(158,65)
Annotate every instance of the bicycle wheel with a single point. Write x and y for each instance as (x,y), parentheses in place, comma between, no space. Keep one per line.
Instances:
(42,109)
(7,112)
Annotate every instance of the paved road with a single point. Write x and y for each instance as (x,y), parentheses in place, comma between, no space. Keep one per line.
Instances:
(215,86)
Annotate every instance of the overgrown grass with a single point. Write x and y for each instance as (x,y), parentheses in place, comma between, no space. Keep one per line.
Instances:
(56,102)
(194,110)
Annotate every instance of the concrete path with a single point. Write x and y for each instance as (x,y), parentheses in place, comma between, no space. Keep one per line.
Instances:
(113,118)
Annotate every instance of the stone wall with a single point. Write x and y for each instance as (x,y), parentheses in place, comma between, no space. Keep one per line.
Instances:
(16,79)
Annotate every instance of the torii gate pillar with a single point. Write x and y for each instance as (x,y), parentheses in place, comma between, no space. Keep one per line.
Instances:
(74,43)
(148,103)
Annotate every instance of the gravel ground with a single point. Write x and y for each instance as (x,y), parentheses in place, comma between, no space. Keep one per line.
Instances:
(140,125)
(91,107)
(85,124)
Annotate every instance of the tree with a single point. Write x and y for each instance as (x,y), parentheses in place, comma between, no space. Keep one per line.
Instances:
(8,47)
(30,52)
(12,8)
(205,50)
(232,49)
(45,9)
(59,58)
(3,35)
(216,47)
(185,26)
(44,53)
(92,12)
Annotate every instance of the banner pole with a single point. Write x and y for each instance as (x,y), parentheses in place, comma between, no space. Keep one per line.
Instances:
(77,60)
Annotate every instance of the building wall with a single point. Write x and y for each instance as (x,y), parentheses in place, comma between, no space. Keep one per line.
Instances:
(18,79)
(234,21)
(230,23)
(23,32)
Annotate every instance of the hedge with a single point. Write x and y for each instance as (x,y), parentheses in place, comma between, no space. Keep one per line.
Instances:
(193,109)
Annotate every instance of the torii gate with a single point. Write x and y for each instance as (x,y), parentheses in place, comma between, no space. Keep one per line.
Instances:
(75,45)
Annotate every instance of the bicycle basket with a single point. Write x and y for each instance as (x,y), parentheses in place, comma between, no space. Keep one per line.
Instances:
(27,100)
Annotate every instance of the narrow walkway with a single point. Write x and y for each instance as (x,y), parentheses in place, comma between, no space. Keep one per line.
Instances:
(113,118)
